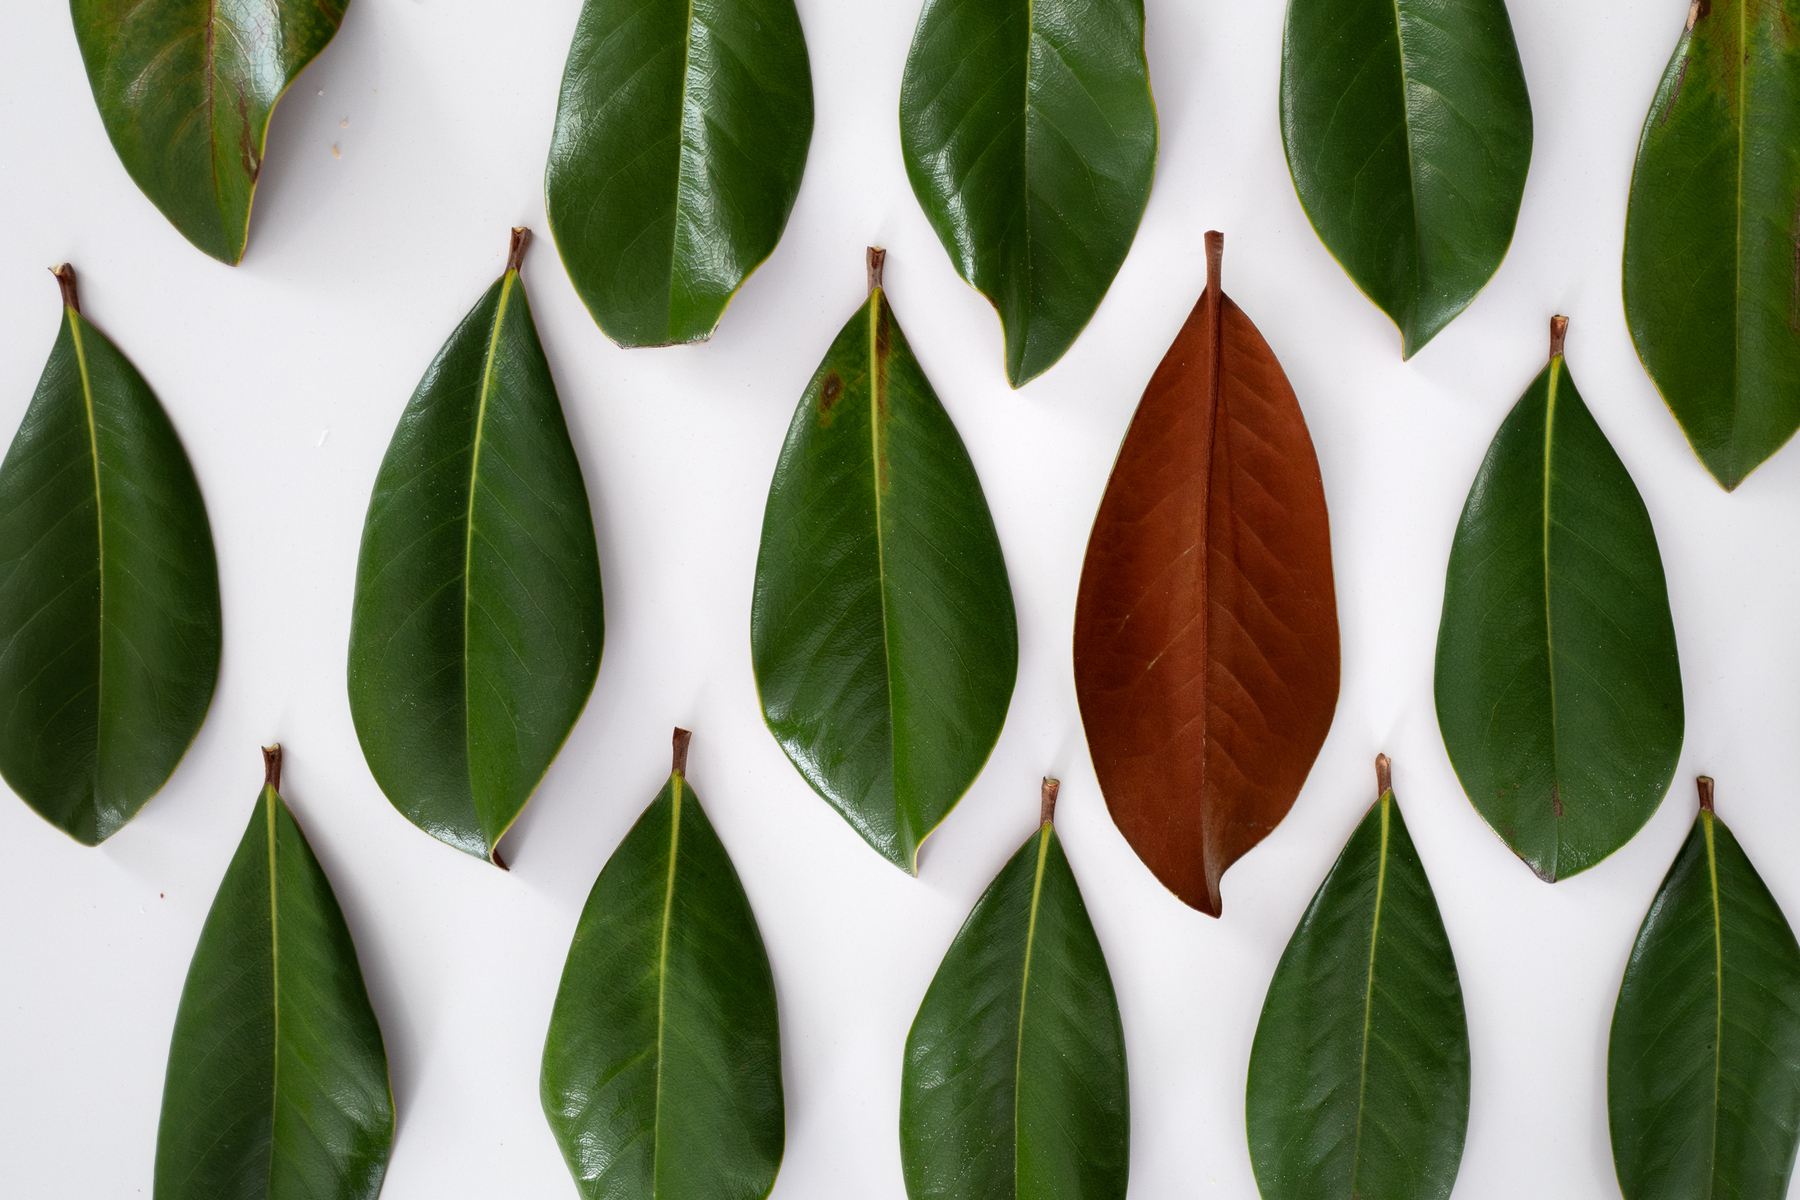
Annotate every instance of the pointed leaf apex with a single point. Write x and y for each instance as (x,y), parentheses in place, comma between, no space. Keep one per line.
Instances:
(272,766)
(1384,775)
(1559,329)
(65,279)
(515,250)
(1705,785)
(682,738)
(1215,260)
(1047,803)
(877,260)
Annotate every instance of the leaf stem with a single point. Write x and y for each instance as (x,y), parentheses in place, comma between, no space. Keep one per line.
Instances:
(272,766)
(1047,804)
(1384,775)
(1705,785)
(877,260)
(682,738)
(1215,259)
(65,279)
(515,250)
(1559,329)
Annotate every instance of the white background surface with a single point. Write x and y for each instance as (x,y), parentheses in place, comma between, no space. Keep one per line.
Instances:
(285,377)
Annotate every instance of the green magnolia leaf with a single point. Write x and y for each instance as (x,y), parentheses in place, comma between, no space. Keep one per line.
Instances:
(1030,138)
(1703,1070)
(476,635)
(1408,134)
(1014,1082)
(662,1068)
(109,591)
(882,632)
(1359,1074)
(1558,683)
(1712,282)
(185,88)
(278,1081)
(680,139)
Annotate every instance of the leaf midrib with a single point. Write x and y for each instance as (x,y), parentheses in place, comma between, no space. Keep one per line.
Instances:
(1362,1082)
(676,785)
(1555,371)
(877,390)
(687,66)
(1037,890)
(1712,869)
(487,381)
(87,399)
(269,800)
(1412,187)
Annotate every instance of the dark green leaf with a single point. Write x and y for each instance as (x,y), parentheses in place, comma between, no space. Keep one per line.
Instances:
(1408,134)
(1558,684)
(680,139)
(278,1082)
(109,591)
(662,1068)
(1359,1075)
(1030,139)
(1014,1083)
(1712,279)
(1703,1070)
(476,635)
(185,88)
(882,630)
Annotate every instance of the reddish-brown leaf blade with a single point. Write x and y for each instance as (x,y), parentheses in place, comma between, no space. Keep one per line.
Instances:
(1206,640)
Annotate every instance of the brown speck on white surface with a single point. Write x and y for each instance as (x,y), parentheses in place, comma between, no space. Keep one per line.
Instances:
(334,151)
(344,124)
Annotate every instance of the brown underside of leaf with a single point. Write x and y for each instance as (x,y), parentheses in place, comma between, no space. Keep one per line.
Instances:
(1206,639)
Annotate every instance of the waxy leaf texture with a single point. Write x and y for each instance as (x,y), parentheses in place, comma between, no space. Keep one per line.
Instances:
(680,140)
(278,1080)
(1030,137)
(185,89)
(1712,276)
(1408,134)
(1359,1074)
(476,633)
(1014,1083)
(1206,637)
(1703,1070)
(1558,683)
(882,630)
(109,591)
(662,1067)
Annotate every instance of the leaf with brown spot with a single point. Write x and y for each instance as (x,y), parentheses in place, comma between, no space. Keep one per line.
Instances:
(185,89)
(1206,639)
(882,631)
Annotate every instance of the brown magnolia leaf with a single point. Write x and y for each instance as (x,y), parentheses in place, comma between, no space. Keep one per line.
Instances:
(1206,639)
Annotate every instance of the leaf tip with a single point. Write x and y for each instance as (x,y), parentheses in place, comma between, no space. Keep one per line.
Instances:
(877,259)
(1384,775)
(272,766)
(1215,261)
(494,857)
(65,279)
(515,249)
(1559,330)
(681,740)
(1047,801)
(1705,784)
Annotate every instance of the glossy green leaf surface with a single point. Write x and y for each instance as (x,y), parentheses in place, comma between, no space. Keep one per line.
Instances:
(278,1081)
(1029,135)
(1712,282)
(882,630)
(680,140)
(1359,1074)
(1408,135)
(109,592)
(1703,1070)
(662,1068)
(1014,1082)
(476,635)
(185,89)
(1558,682)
